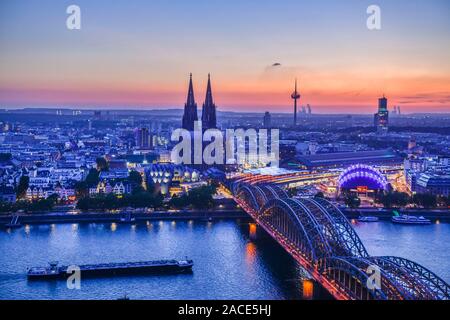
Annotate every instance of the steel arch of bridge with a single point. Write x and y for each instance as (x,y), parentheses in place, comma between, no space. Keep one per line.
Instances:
(318,235)
(347,235)
(258,194)
(277,211)
(351,278)
(424,284)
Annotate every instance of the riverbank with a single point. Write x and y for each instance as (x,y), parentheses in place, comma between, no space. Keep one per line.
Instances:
(386,214)
(90,217)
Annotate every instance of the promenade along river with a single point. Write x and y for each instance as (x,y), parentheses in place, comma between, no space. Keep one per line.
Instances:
(229,262)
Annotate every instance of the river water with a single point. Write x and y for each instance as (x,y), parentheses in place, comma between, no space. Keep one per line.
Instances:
(229,262)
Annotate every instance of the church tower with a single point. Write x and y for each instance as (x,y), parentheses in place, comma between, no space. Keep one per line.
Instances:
(209,109)
(190,108)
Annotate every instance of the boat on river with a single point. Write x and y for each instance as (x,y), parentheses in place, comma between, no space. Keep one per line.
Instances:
(406,219)
(368,219)
(55,271)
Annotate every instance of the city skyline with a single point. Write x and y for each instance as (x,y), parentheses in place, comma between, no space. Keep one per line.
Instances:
(139,55)
(224,157)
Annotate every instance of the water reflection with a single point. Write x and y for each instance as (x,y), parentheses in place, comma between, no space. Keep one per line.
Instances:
(250,253)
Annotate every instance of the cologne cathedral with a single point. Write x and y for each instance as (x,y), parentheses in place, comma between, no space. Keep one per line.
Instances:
(208,109)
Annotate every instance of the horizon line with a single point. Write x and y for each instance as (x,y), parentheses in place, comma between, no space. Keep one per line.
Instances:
(180,109)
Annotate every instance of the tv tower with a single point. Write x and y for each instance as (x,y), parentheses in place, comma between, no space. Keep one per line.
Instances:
(295,95)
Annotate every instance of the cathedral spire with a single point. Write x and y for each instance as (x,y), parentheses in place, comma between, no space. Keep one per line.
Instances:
(209,108)
(190,98)
(209,98)
(190,108)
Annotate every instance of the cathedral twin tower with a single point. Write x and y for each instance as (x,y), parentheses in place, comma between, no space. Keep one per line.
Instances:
(208,110)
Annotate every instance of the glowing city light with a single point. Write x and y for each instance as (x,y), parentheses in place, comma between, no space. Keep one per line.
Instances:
(362,175)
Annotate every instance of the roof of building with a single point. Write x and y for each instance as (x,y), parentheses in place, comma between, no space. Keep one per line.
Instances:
(433,180)
(346,158)
(270,171)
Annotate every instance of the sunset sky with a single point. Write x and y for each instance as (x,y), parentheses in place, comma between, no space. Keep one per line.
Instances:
(139,53)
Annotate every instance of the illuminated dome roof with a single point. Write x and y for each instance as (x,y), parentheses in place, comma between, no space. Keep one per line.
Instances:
(361,175)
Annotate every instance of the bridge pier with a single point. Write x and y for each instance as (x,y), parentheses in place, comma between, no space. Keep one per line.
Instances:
(256,232)
(253,231)
(307,289)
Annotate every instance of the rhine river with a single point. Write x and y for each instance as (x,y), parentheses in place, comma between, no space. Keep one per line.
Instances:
(228,262)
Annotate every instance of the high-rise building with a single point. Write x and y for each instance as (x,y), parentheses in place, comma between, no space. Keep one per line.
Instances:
(190,108)
(295,96)
(143,138)
(267,120)
(309,108)
(396,111)
(209,109)
(381,118)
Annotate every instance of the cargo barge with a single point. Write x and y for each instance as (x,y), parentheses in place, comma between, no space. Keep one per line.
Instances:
(54,271)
